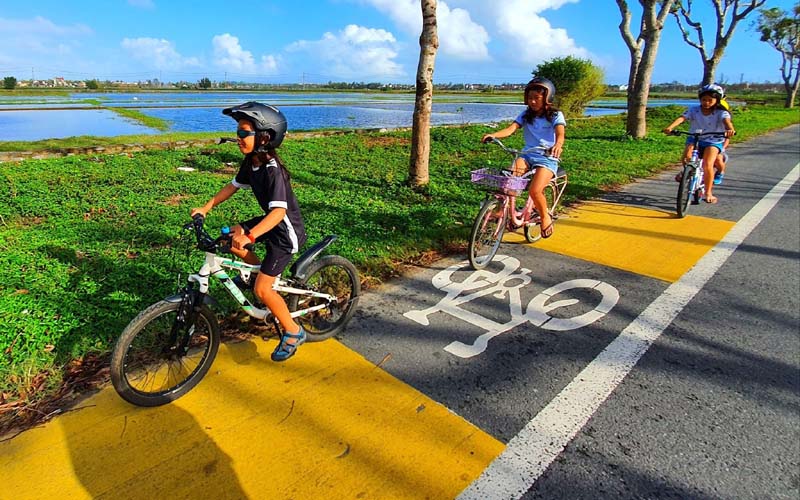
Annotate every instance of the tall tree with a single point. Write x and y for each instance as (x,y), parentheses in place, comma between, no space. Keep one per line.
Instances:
(728,12)
(643,49)
(781,30)
(421,125)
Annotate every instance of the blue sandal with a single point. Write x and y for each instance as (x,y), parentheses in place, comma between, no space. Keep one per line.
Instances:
(285,350)
(718,178)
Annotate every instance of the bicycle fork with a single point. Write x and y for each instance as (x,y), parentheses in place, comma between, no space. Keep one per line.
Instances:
(184,325)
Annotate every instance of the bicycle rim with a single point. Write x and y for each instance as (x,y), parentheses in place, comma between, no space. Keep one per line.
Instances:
(487,233)
(685,191)
(146,367)
(335,276)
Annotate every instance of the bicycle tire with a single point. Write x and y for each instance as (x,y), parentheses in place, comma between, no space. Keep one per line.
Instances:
(144,374)
(684,191)
(334,275)
(533,231)
(487,233)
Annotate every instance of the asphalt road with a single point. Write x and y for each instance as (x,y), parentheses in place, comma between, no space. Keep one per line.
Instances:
(631,355)
(712,407)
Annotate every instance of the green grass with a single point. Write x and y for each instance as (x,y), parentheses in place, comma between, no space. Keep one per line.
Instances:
(138,116)
(87,241)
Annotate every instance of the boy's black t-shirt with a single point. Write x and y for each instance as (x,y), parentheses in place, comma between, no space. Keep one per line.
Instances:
(272,189)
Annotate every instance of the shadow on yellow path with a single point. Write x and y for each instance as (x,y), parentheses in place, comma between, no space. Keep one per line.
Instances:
(326,424)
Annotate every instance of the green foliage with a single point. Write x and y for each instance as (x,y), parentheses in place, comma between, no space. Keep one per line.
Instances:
(577,82)
(92,84)
(204,83)
(88,241)
(138,116)
(9,83)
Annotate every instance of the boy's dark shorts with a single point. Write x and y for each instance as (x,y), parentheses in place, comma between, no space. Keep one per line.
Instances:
(277,257)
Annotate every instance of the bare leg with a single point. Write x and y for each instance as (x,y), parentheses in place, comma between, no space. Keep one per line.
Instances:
(709,159)
(276,304)
(540,179)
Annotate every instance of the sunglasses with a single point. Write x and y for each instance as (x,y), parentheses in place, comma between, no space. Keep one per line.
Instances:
(241,134)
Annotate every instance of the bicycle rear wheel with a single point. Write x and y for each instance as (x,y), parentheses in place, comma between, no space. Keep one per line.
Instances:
(333,275)
(685,191)
(533,230)
(148,366)
(487,233)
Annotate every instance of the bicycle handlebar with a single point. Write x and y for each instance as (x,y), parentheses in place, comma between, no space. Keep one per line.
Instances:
(206,243)
(696,134)
(517,152)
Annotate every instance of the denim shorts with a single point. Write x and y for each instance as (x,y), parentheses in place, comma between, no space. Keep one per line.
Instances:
(548,162)
(704,144)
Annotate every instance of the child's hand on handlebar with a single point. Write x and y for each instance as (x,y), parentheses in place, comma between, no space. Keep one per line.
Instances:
(487,138)
(239,241)
(667,131)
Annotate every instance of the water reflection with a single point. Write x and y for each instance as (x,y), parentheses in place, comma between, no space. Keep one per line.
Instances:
(36,125)
(200,112)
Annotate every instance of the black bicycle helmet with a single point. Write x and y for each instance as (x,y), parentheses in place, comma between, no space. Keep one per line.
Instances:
(265,118)
(542,83)
(715,90)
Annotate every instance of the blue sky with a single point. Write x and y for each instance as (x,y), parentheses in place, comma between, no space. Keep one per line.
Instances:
(344,40)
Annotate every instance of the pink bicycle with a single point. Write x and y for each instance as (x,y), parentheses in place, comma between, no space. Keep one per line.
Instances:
(504,208)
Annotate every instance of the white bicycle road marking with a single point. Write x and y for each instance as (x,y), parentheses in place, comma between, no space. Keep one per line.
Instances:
(508,283)
(528,454)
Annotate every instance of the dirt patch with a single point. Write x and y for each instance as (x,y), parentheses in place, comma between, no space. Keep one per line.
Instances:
(386,141)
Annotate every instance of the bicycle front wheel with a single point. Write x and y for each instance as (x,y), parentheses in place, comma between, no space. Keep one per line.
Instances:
(337,277)
(533,230)
(685,191)
(148,365)
(487,233)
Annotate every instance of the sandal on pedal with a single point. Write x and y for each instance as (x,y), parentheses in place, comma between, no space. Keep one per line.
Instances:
(718,178)
(548,231)
(286,350)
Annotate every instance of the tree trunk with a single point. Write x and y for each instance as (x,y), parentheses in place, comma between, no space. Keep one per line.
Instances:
(643,50)
(421,124)
(791,92)
(722,35)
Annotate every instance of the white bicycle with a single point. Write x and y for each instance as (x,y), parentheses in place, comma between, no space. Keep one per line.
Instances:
(168,347)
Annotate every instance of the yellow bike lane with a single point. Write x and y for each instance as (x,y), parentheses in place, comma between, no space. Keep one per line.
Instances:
(327,424)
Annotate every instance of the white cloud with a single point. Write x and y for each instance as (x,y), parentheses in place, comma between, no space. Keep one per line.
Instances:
(31,42)
(530,35)
(158,53)
(459,36)
(354,52)
(142,4)
(229,55)
(40,26)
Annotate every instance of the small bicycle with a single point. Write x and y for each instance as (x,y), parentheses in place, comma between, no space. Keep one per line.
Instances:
(691,187)
(168,347)
(504,208)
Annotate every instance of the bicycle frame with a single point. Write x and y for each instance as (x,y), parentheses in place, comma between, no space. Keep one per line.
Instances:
(696,164)
(216,266)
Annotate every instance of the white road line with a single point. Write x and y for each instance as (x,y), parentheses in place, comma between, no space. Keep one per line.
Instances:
(532,451)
